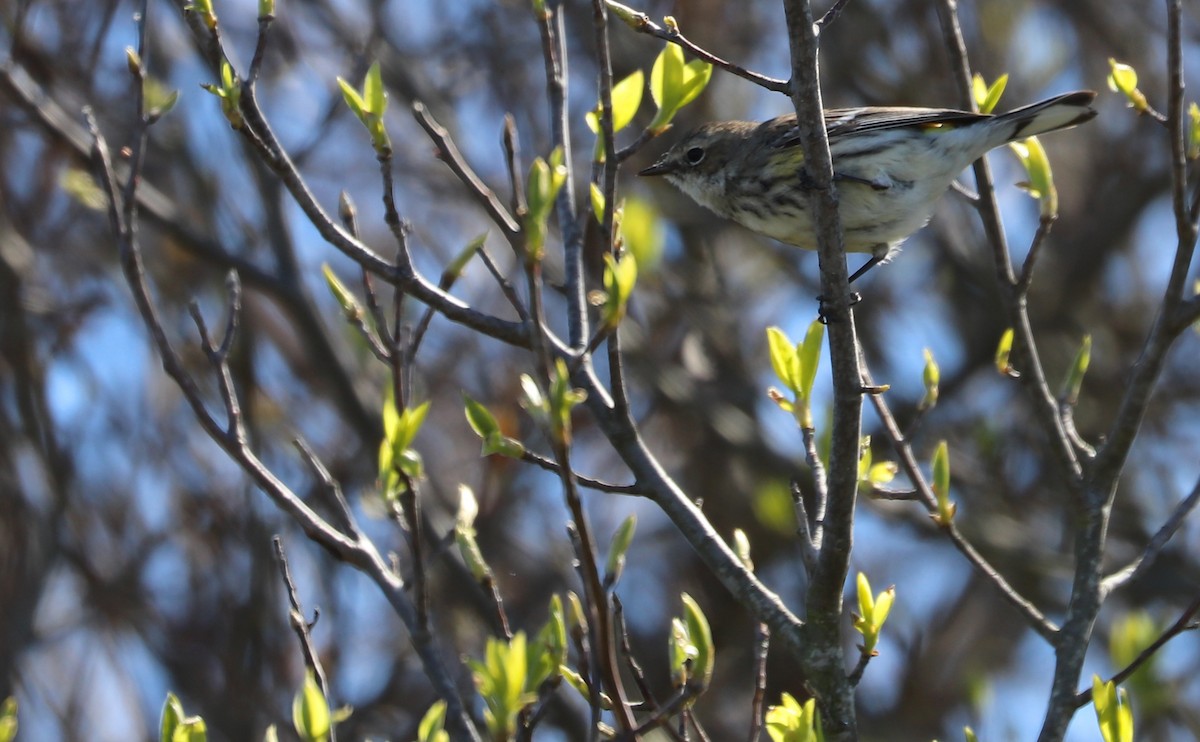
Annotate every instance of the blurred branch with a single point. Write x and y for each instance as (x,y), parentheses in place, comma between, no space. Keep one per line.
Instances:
(232,437)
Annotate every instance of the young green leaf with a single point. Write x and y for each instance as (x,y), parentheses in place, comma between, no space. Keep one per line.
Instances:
(480,418)
(674,84)
(345,298)
(597,202)
(931,376)
(1003,352)
(792,721)
(8,719)
(810,358)
(741,547)
(432,726)
(310,711)
(785,359)
(1041,178)
(699,636)
(618,548)
(1124,79)
(627,98)
(1074,380)
(1193,131)
(642,232)
(987,96)
(941,485)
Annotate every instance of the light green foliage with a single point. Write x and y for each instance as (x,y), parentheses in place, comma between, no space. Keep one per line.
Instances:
(1112,711)
(203,8)
(674,84)
(1124,79)
(483,422)
(969,735)
(932,377)
(598,205)
(1003,352)
(870,474)
(792,721)
(176,726)
(1041,178)
(621,540)
(987,96)
(81,186)
(512,671)
(635,19)
(641,232)
(620,276)
(310,711)
(456,267)
(345,298)
(741,547)
(432,726)
(158,99)
(266,8)
(1193,131)
(548,652)
(1074,380)
(508,679)
(271,735)
(546,179)
(553,409)
(872,613)
(8,719)
(133,62)
(626,99)
(773,507)
(691,648)
(941,486)
(1129,636)
(796,367)
(229,91)
(396,456)
(464,535)
(369,106)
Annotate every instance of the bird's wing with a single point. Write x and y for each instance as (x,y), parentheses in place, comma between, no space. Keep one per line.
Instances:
(840,122)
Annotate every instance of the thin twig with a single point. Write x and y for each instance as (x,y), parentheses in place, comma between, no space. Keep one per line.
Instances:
(332,487)
(924,494)
(1154,547)
(595,484)
(1182,624)
(357,552)
(302,628)
(448,153)
(762,643)
(1039,237)
(641,23)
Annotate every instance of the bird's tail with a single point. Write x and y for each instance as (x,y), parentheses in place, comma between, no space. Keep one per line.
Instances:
(1052,114)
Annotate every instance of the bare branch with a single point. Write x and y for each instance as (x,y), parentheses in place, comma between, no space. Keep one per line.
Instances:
(1154,547)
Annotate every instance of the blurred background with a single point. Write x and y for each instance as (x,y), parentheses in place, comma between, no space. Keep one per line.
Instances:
(136,559)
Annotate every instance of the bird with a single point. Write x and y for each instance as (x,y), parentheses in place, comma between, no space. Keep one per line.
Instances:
(890,164)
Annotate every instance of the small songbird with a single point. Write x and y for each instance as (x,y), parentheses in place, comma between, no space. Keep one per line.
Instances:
(890,166)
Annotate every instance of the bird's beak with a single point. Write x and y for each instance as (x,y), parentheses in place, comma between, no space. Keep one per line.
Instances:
(662,167)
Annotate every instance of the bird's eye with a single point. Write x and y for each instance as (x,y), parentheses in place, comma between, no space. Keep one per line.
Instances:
(694,155)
